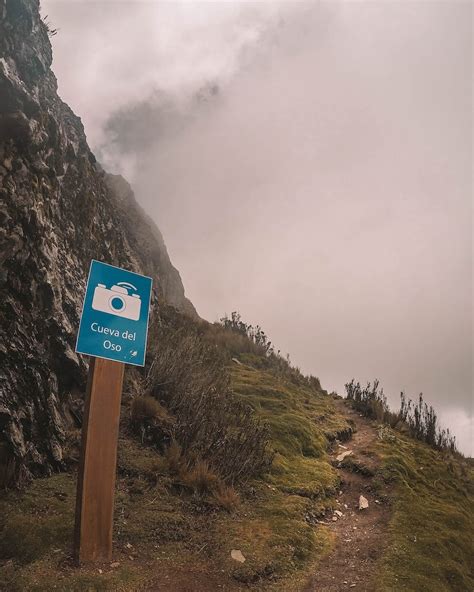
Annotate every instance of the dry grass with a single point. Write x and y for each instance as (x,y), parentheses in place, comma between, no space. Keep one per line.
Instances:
(227,498)
(144,408)
(190,377)
(201,478)
(174,458)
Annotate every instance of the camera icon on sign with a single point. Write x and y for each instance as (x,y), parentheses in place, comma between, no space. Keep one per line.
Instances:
(117,301)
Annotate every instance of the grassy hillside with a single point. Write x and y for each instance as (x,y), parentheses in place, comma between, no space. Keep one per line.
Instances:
(431,532)
(176,528)
(162,518)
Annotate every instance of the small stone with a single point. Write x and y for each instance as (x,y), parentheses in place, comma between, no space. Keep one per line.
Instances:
(237,555)
(363,503)
(100,571)
(352,586)
(338,513)
(343,455)
(377,501)
(115,564)
(334,518)
(129,546)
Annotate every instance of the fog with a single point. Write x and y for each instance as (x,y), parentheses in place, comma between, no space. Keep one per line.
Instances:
(309,164)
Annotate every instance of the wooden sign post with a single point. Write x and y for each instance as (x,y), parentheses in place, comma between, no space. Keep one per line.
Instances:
(97,466)
(113,329)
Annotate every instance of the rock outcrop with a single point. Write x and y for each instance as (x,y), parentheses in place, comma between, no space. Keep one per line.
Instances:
(58,210)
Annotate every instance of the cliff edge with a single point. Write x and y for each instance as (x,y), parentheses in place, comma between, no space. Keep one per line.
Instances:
(58,210)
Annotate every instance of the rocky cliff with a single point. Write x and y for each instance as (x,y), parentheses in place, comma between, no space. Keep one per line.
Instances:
(58,210)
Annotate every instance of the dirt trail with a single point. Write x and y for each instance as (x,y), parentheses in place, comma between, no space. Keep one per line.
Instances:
(360,534)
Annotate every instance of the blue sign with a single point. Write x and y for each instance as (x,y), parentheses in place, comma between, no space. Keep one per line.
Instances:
(114,320)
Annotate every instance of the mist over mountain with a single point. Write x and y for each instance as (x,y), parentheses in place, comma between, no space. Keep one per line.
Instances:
(308,188)
(310,165)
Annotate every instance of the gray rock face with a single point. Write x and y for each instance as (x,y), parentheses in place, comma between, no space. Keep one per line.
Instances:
(58,210)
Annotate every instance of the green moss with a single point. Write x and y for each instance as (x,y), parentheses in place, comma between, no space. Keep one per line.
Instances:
(430,535)
(275,537)
(39,521)
(299,417)
(429,548)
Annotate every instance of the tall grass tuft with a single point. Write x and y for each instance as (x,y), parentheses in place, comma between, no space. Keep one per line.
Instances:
(227,498)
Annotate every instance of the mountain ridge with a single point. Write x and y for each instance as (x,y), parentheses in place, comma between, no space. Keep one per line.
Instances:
(59,210)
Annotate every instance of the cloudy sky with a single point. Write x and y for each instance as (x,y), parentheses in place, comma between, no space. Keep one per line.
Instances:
(309,164)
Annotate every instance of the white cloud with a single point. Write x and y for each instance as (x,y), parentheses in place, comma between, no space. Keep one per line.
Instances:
(325,191)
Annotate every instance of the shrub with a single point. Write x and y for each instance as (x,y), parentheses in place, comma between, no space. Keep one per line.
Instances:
(201,478)
(227,498)
(421,420)
(144,408)
(174,458)
(254,335)
(238,338)
(151,420)
(189,377)
(50,30)
(226,340)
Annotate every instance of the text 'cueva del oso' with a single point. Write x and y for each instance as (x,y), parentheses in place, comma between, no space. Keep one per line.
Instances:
(113,332)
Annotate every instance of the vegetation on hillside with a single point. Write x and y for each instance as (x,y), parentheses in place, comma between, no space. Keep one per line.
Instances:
(224,445)
(237,338)
(430,546)
(184,400)
(419,420)
(179,490)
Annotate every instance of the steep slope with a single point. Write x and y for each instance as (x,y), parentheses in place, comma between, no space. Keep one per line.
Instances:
(168,538)
(58,211)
